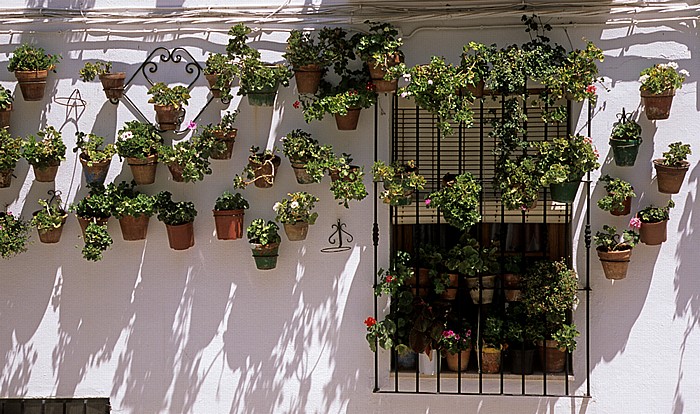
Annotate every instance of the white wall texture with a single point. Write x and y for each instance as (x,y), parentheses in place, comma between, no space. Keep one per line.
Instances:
(202,331)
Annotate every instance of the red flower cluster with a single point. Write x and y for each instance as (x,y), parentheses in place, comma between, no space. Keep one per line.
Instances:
(352,92)
(370,86)
(296,104)
(591,89)
(389,278)
(370,322)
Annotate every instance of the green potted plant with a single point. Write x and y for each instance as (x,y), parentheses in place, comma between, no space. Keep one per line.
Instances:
(225,133)
(45,153)
(347,181)
(139,142)
(456,348)
(520,333)
(671,169)
(258,80)
(380,48)
(400,181)
(188,161)
(6,100)
(261,169)
(302,149)
(229,212)
(478,265)
(219,72)
(399,275)
(96,207)
(549,295)
(615,250)
(14,234)
(112,82)
(31,66)
(519,182)
(295,213)
(492,343)
(309,59)
(10,153)
(565,161)
(512,277)
(574,78)
(178,218)
(169,104)
(619,199)
(97,240)
(344,101)
(264,242)
(474,64)
(458,200)
(651,223)
(625,139)
(658,86)
(133,209)
(49,220)
(95,161)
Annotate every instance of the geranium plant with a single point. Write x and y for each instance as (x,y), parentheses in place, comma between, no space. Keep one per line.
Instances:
(220,65)
(662,77)
(453,342)
(174,213)
(31,58)
(354,91)
(653,214)
(46,150)
(296,208)
(349,185)
(609,240)
(519,182)
(618,192)
(6,99)
(191,157)
(475,62)
(14,234)
(97,240)
(396,276)
(138,140)
(10,150)
(380,47)
(97,204)
(92,70)
(677,155)
(263,233)
(458,201)
(89,146)
(626,128)
(576,76)
(51,216)
(566,158)
(493,333)
(126,201)
(304,50)
(400,180)
(163,95)
(230,201)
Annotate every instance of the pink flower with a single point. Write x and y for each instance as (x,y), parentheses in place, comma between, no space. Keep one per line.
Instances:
(635,223)
(427,202)
(192,125)
(591,89)
(588,140)
(296,104)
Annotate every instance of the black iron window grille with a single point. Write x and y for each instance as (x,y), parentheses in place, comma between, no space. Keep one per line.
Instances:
(54,406)
(542,232)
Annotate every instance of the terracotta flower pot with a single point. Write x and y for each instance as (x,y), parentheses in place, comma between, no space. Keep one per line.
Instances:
(5,116)
(552,359)
(625,210)
(423,285)
(477,90)
(265,255)
(490,360)
(84,221)
(335,174)
(134,228)
(653,234)
(53,235)
(180,237)
(308,78)
(229,224)
(143,169)
(377,74)
(615,263)
(113,84)
(348,122)
(450,292)
(669,178)
(483,295)
(266,171)
(97,172)
(658,106)
(32,83)
(6,178)
(212,79)
(228,138)
(296,231)
(300,173)
(168,117)
(46,174)
(176,172)
(459,361)
(511,284)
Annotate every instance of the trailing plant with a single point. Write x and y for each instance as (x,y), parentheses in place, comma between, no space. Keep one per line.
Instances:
(138,140)
(349,186)
(256,161)
(653,214)
(399,180)
(474,62)
(10,150)
(92,70)
(27,57)
(221,65)
(618,192)
(97,240)
(14,234)
(89,146)
(662,77)
(455,343)
(304,50)
(677,155)
(129,202)
(163,95)
(260,232)
(354,91)
(6,99)
(508,128)
(566,159)
(459,201)
(174,213)
(576,76)
(47,150)
(626,128)
(51,216)
(519,182)
(379,46)
(97,204)
(192,155)
(300,147)
(609,240)
(296,208)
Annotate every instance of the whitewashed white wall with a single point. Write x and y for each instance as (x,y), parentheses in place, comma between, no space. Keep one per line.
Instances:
(202,331)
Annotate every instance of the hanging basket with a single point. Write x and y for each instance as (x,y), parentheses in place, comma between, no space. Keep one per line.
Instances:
(143,169)
(564,192)
(228,138)
(53,235)
(5,116)
(669,178)
(113,84)
(653,234)
(658,106)
(229,224)
(615,263)
(348,122)
(32,83)
(265,255)
(308,77)
(180,237)
(134,228)
(46,174)
(625,151)
(97,172)
(296,231)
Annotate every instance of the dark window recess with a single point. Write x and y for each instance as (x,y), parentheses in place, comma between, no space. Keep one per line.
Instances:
(54,406)
(543,232)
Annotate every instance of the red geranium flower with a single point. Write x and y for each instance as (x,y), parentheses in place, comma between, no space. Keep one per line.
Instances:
(370,322)
(591,89)
(296,104)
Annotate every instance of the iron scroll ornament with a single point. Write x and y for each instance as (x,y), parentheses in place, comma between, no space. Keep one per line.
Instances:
(337,238)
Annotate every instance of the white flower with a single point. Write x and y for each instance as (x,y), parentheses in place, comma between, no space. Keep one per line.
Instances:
(276,207)
(294,204)
(127,135)
(404,94)
(673,65)
(430,81)
(407,77)
(643,78)
(684,72)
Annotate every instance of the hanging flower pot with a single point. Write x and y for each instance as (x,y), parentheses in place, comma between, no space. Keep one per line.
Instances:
(5,116)
(53,235)
(84,221)
(552,358)
(458,361)
(308,77)
(615,263)
(377,73)
(349,121)
(450,292)
(6,178)
(46,174)
(296,231)
(481,292)
(113,84)
(300,173)
(97,172)
(168,117)
(265,255)
(134,228)
(658,106)
(228,138)
(32,83)
(670,178)
(653,234)
(143,169)
(626,208)
(564,192)
(180,237)
(266,170)
(212,79)
(229,224)
(176,172)
(522,361)
(625,151)
(264,96)
(490,360)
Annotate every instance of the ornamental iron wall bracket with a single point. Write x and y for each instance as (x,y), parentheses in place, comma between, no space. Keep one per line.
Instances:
(337,238)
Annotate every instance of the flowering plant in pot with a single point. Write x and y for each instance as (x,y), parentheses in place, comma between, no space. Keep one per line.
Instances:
(139,142)
(344,100)
(380,48)
(458,200)
(309,58)
(95,160)
(295,213)
(492,343)
(264,241)
(474,63)
(304,154)
(347,181)
(614,250)
(97,241)
(619,199)
(658,86)
(31,66)
(574,79)
(10,153)
(169,104)
(219,72)
(178,218)
(456,348)
(95,207)
(133,209)
(512,277)
(112,82)
(566,160)
(651,223)
(45,153)
(229,211)
(261,169)
(671,169)
(14,234)
(400,274)
(225,132)
(6,100)
(49,220)
(625,139)
(519,182)
(400,181)
(188,161)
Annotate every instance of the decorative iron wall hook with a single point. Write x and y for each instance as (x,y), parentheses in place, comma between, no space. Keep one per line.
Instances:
(338,234)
